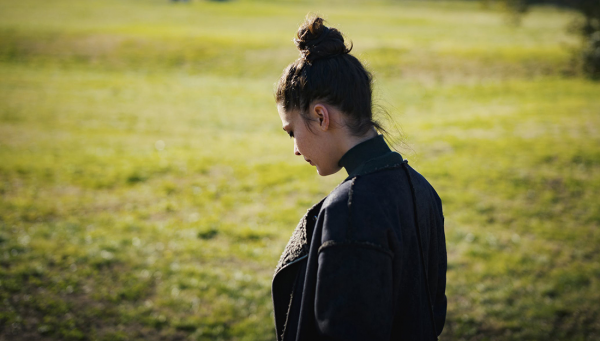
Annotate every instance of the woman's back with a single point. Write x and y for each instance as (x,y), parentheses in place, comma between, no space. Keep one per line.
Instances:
(363,278)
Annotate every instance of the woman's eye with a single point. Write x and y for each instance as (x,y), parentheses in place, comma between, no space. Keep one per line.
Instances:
(291,133)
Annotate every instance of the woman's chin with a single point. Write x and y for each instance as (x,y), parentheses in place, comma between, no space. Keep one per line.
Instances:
(326,172)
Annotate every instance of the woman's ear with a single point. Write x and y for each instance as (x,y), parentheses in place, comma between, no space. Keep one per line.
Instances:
(322,115)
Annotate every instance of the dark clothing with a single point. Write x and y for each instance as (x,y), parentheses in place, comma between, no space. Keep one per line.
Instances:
(351,270)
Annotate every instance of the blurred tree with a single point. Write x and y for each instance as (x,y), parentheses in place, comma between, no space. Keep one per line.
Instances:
(588,26)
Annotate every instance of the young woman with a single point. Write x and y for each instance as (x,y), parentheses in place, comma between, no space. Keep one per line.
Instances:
(368,262)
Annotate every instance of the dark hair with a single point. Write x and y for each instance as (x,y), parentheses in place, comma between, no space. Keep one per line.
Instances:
(327,71)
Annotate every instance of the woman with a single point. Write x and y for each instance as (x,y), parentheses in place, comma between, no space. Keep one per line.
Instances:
(355,268)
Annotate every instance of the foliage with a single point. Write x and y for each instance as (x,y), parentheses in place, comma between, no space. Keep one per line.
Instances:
(591,55)
(588,27)
(147,189)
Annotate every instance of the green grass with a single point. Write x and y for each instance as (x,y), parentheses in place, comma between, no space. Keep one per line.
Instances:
(147,189)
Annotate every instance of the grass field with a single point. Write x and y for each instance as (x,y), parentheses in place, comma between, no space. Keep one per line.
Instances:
(147,189)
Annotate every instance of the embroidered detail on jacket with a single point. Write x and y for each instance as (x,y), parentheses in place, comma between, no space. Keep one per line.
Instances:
(331,243)
(297,246)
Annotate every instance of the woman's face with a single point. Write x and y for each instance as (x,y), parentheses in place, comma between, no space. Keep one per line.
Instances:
(315,146)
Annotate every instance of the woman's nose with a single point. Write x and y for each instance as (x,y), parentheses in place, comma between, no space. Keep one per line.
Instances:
(296,151)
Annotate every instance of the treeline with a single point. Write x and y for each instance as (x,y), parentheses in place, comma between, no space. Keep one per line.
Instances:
(587,26)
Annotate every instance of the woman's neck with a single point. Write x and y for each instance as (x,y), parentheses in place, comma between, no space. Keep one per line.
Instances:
(350,141)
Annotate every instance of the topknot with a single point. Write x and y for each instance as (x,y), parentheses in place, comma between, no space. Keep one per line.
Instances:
(326,71)
(317,41)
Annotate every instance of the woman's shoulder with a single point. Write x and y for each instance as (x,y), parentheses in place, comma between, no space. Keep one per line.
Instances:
(338,195)
(358,209)
(371,186)
(382,191)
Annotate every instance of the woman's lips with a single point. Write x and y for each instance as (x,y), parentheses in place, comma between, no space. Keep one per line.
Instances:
(307,160)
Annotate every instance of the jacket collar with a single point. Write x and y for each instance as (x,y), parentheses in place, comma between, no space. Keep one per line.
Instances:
(369,156)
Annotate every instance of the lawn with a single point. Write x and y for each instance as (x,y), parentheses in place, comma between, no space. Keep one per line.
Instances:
(147,189)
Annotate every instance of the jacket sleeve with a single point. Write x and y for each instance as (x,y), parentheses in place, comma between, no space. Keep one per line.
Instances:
(354,291)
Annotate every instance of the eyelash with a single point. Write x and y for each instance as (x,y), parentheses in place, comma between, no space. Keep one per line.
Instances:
(291,133)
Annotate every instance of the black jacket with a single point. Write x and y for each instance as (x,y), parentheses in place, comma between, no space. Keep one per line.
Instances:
(352,270)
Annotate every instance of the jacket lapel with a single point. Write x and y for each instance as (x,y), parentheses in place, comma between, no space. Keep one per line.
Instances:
(297,246)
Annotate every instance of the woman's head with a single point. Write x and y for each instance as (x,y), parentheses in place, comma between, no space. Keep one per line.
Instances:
(327,72)
(325,84)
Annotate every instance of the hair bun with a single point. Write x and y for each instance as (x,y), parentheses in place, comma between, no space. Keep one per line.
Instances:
(317,41)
